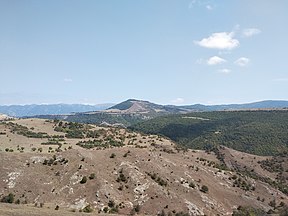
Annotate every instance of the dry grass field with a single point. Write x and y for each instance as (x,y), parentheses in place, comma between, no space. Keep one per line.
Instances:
(121,172)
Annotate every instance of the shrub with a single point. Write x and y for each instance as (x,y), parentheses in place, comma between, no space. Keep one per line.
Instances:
(111,203)
(192,185)
(112,155)
(92,176)
(84,180)
(121,178)
(204,189)
(105,209)
(88,209)
(8,199)
(249,211)
(137,208)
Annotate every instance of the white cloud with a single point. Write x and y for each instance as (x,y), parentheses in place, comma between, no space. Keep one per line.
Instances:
(68,80)
(249,32)
(221,40)
(209,7)
(215,60)
(242,61)
(177,101)
(224,71)
(200,3)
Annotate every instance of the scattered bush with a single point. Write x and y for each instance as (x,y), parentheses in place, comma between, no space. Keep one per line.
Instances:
(88,209)
(248,211)
(84,180)
(8,199)
(192,185)
(92,176)
(204,189)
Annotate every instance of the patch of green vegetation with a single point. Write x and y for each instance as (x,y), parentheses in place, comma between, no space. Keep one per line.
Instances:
(272,165)
(53,141)
(54,161)
(98,118)
(87,209)
(157,179)
(256,132)
(72,129)
(248,211)
(25,131)
(241,183)
(8,199)
(121,177)
(204,189)
(92,176)
(192,185)
(112,155)
(83,180)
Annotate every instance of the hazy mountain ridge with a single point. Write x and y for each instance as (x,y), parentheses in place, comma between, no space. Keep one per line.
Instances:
(125,113)
(266,104)
(49,109)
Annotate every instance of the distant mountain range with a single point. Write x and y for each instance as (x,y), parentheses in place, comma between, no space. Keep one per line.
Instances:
(125,113)
(139,106)
(49,109)
(134,111)
(267,104)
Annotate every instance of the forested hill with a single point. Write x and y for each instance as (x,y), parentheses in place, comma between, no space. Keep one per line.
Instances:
(257,132)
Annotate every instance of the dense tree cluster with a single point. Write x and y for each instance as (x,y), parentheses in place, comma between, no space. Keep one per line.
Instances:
(256,132)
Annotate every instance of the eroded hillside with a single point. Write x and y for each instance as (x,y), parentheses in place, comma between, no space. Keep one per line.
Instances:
(49,166)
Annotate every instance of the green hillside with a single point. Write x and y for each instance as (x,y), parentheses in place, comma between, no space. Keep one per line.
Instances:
(257,132)
(98,118)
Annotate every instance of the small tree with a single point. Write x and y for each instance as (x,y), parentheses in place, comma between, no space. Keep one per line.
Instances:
(204,189)
(88,209)
(137,208)
(84,180)
(92,176)
(111,203)
(192,185)
(8,199)
(272,203)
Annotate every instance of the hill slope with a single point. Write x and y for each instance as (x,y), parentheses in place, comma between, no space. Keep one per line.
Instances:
(257,132)
(144,107)
(49,165)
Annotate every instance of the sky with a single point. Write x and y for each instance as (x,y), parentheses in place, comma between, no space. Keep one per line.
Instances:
(165,51)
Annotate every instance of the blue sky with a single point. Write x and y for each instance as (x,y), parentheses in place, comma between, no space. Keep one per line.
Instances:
(164,51)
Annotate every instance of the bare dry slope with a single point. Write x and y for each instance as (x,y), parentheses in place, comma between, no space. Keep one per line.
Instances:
(145,174)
